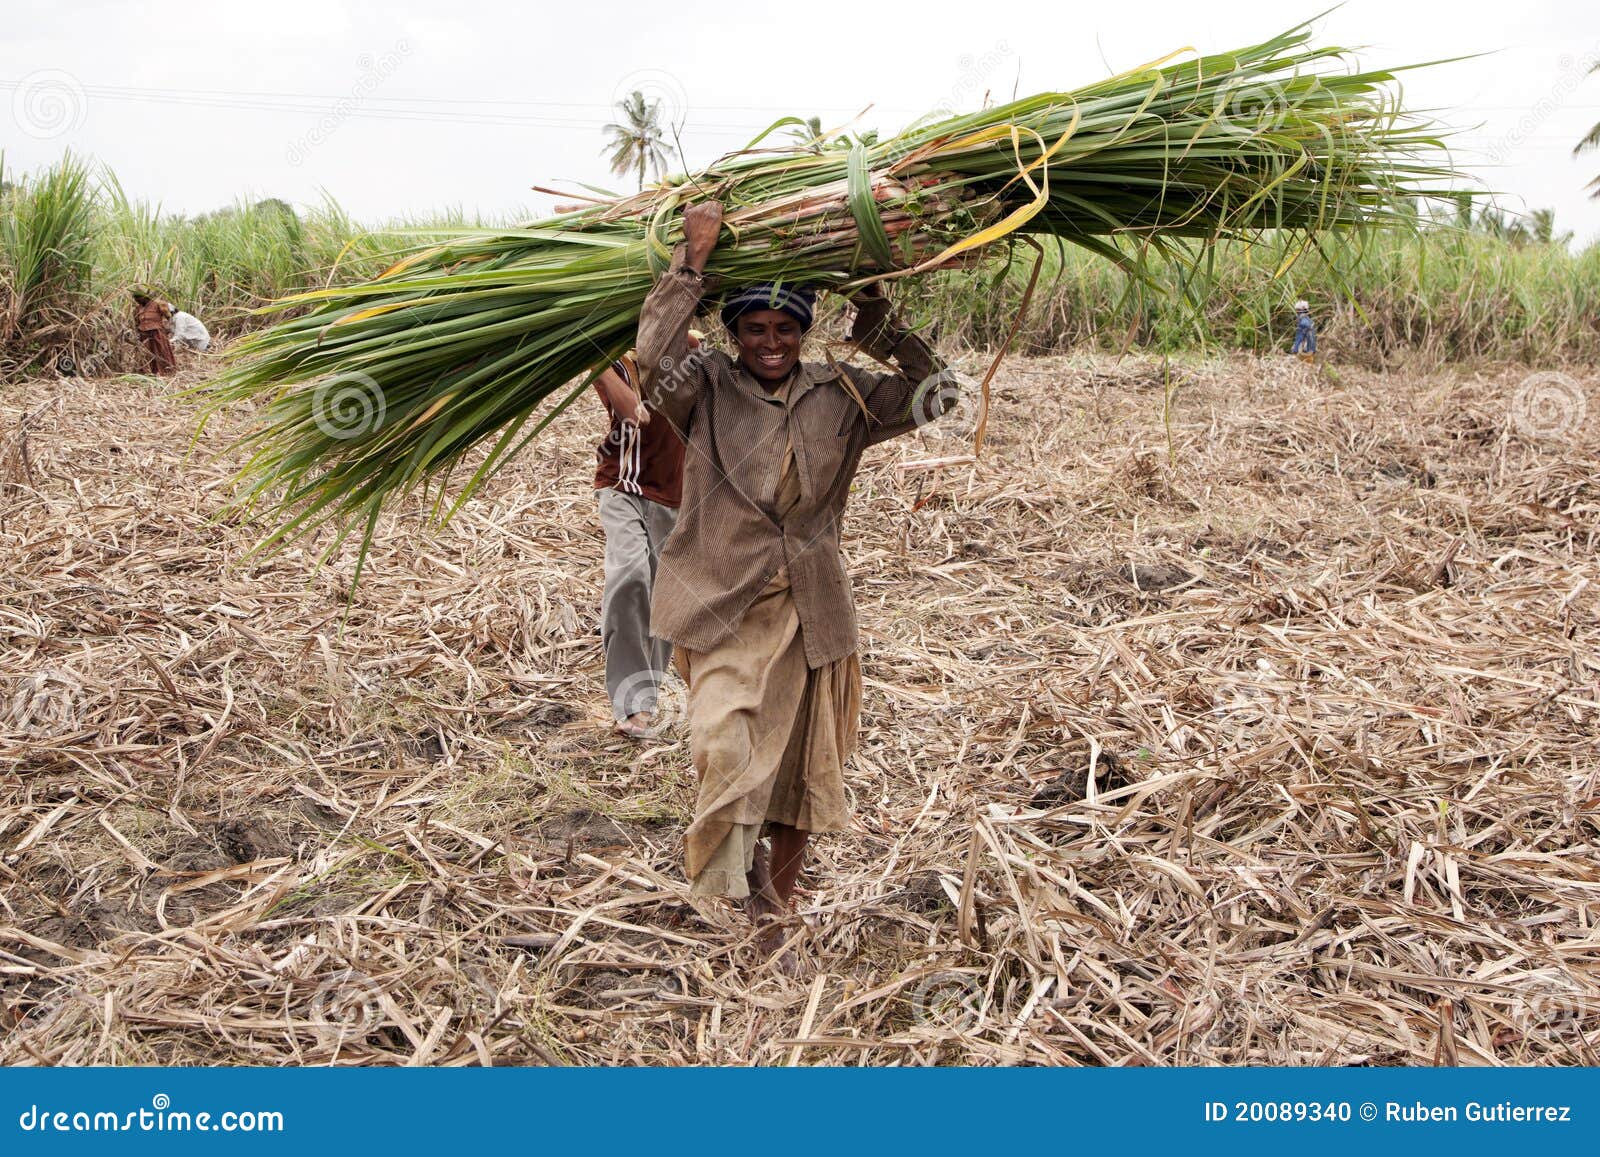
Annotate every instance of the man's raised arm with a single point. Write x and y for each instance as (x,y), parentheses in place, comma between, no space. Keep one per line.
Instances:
(671,379)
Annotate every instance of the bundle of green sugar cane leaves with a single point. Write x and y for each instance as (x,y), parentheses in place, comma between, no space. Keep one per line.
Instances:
(479,338)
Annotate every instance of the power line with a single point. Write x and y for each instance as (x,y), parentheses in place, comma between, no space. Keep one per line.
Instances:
(359,106)
(505,102)
(243,97)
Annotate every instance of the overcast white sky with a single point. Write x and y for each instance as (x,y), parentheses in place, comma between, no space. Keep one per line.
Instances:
(402,107)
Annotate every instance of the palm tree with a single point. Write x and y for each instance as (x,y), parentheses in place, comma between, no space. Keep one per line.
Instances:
(1591,141)
(1537,227)
(636,143)
(808,132)
(1542,228)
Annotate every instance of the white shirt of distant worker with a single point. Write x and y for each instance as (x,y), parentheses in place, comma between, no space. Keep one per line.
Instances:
(190,332)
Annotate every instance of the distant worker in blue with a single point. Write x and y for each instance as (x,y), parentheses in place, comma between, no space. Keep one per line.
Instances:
(1305,333)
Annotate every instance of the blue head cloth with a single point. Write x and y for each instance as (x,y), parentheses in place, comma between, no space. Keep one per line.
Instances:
(795,300)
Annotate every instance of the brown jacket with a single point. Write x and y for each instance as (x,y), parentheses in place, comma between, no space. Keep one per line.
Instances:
(648,460)
(728,543)
(154,316)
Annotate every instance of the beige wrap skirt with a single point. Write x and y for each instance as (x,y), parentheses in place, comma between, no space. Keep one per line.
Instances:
(769,736)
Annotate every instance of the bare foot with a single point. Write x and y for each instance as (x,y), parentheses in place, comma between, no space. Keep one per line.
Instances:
(772,937)
(637,726)
(763,902)
(770,917)
(784,961)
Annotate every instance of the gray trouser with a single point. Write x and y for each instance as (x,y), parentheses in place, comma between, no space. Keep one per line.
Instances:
(636,529)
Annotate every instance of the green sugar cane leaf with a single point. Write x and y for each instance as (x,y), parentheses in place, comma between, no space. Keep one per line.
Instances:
(781,122)
(864,208)
(659,251)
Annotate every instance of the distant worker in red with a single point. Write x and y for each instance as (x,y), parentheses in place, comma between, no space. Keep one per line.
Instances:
(153,321)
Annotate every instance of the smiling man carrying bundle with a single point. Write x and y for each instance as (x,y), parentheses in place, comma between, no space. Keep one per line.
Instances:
(751,586)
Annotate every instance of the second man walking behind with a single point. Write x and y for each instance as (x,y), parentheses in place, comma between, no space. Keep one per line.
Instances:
(639,482)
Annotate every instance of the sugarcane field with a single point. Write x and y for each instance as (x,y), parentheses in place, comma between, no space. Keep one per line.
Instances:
(1099,572)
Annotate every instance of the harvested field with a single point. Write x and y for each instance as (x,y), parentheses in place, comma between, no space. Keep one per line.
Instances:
(1265,734)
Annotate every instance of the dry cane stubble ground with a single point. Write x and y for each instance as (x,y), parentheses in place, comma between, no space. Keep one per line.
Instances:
(1335,671)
